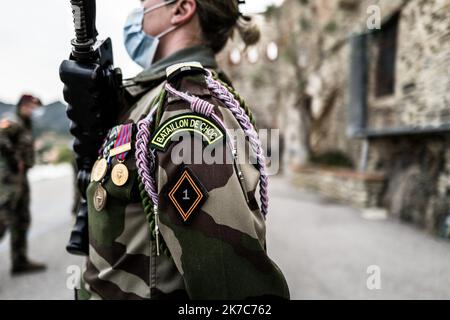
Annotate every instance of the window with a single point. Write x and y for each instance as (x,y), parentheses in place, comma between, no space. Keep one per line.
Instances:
(272,51)
(386,60)
(235,56)
(253,55)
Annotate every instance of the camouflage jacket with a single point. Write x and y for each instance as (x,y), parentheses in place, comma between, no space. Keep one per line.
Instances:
(219,253)
(16,142)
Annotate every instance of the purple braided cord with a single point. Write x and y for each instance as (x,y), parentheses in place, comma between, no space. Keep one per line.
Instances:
(145,159)
(200,106)
(204,107)
(239,113)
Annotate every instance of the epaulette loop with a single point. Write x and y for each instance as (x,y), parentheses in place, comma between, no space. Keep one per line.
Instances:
(186,67)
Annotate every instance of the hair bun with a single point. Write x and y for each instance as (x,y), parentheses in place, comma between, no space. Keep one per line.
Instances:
(248,30)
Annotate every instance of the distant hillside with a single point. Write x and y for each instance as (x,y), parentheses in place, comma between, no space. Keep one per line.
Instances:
(52,118)
(49,118)
(5,108)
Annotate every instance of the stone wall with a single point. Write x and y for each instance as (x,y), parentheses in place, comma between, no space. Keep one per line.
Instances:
(418,168)
(422,93)
(357,189)
(305,94)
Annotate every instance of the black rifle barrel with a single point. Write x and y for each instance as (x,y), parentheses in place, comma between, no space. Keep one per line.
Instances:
(84,14)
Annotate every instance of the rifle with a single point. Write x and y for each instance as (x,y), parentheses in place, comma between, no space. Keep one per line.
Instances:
(97,58)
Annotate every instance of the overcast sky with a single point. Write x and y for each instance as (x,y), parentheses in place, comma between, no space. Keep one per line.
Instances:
(35,37)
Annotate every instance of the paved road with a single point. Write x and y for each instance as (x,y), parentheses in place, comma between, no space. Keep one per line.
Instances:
(323,247)
(51,206)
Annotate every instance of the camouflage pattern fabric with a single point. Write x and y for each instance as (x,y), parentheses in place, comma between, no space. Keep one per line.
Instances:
(6,194)
(16,145)
(16,141)
(225,241)
(219,254)
(122,261)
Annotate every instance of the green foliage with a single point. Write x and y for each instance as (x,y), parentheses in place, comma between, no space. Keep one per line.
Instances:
(331,27)
(305,24)
(289,54)
(258,78)
(332,158)
(271,11)
(304,2)
(65,154)
(46,147)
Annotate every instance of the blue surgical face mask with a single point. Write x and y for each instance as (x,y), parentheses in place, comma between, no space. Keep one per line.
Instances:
(140,46)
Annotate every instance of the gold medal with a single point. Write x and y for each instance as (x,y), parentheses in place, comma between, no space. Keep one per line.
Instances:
(93,169)
(99,170)
(119,174)
(100,197)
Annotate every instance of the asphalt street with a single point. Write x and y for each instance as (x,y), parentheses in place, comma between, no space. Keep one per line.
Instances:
(323,247)
(51,201)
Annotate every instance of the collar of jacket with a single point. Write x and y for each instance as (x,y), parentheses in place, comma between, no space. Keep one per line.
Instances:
(156,74)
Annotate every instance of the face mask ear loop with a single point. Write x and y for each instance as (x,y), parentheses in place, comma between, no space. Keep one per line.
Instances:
(157,6)
(162,34)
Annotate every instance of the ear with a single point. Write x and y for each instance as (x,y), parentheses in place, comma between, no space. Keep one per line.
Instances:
(183,12)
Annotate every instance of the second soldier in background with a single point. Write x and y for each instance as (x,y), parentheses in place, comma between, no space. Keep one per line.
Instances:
(16,158)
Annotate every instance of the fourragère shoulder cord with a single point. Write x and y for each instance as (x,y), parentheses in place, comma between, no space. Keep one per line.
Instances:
(145,157)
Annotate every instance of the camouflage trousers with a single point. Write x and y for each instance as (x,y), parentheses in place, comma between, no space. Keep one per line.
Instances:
(15,217)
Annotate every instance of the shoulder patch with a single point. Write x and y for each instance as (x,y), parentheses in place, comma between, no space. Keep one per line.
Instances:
(187,194)
(194,123)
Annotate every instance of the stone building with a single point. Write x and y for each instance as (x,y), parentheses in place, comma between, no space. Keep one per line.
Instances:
(360,90)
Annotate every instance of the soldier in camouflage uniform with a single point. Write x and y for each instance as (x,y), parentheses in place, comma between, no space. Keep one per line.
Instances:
(206,237)
(16,158)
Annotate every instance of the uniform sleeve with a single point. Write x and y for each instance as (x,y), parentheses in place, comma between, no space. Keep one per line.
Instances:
(9,133)
(220,248)
(25,147)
